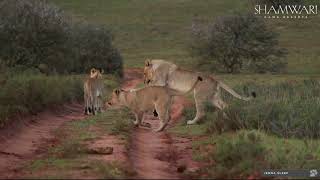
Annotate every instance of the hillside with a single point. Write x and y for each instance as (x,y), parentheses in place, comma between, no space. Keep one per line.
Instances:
(159,29)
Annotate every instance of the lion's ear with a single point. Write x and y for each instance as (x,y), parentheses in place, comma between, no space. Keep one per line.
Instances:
(116,91)
(101,70)
(147,62)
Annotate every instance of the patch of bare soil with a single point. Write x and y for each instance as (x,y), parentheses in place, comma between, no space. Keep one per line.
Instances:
(24,142)
(182,145)
(119,153)
(159,155)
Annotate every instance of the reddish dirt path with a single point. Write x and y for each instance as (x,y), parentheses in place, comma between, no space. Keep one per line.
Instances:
(24,142)
(152,155)
(158,155)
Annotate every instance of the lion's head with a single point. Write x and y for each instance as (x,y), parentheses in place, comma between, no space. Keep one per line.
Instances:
(156,71)
(115,101)
(148,72)
(96,73)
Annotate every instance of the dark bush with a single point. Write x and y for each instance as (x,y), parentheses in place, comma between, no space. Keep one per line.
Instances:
(237,43)
(92,46)
(36,34)
(32,32)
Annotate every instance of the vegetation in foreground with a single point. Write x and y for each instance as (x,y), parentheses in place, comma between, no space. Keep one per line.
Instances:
(245,153)
(68,156)
(31,92)
(277,130)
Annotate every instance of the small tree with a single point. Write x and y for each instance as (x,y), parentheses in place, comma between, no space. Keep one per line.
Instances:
(32,32)
(35,34)
(92,47)
(236,43)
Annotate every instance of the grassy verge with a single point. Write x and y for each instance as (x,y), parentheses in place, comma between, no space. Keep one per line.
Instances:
(25,93)
(277,130)
(244,153)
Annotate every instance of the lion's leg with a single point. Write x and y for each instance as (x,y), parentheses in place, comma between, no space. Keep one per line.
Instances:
(99,108)
(138,118)
(96,103)
(200,103)
(219,103)
(101,105)
(163,115)
(100,102)
(93,105)
(89,103)
(86,108)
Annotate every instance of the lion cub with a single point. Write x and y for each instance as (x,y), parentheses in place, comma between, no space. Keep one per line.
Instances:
(147,99)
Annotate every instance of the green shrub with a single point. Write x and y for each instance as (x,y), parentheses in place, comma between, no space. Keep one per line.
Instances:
(92,45)
(36,34)
(32,32)
(236,43)
(32,93)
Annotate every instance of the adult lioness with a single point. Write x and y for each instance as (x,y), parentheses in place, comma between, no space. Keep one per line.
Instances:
(148,99)
(93,90)
(163,73)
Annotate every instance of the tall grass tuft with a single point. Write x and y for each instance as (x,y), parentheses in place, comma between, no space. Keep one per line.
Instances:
(288,109)
(27,93)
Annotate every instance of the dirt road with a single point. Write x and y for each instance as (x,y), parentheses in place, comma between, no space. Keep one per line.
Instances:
(152,155)
(159,155)
(23,142)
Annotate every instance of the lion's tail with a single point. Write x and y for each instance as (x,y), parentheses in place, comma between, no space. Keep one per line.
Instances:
(179,93)
(231,91)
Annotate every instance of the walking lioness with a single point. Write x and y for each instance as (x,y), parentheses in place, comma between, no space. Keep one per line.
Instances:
(147,99)
(163,73)
(93,90)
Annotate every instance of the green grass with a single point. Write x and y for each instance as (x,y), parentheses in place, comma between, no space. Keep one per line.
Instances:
(159,28)
(287,108)
(277,130)
(244,153)
(30,92)
(27,93)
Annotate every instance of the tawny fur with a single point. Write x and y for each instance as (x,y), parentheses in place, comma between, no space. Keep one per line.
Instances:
(162,73)
(147,99)
(93,92)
